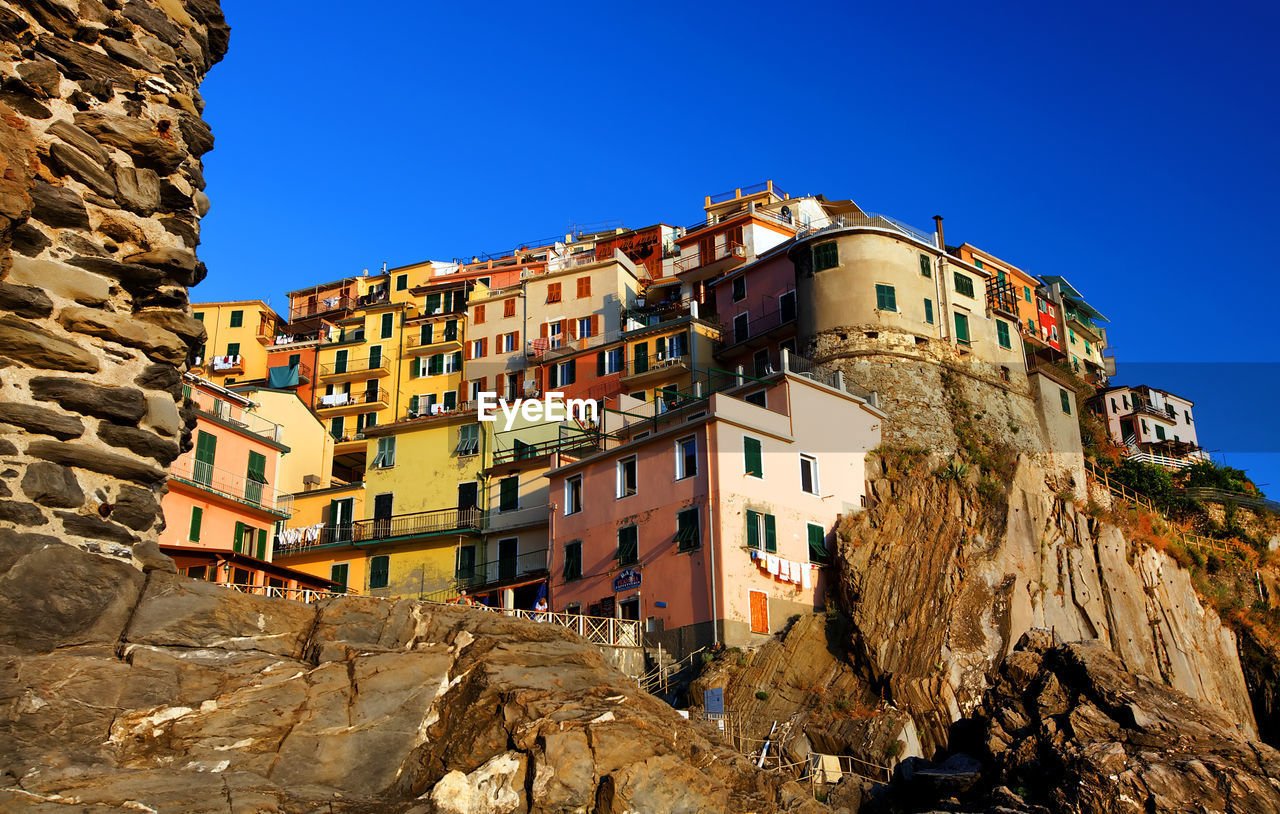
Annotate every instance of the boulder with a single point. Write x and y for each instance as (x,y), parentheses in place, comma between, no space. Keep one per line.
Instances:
(41,421)
(125,405)
(35,346)
(52,485)
(157,343)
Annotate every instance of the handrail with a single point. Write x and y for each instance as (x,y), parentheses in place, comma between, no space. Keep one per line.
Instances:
(608,631)
(307,595)
(229,484)
(360,397)
(1239,498)
(354,366)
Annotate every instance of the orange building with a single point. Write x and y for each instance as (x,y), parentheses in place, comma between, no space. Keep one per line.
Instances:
(222,495)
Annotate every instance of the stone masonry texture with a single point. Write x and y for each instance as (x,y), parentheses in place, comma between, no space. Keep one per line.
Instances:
(100,197)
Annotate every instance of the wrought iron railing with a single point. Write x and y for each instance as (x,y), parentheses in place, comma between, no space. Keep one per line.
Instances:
(326,305)
(495,573)
(1002,296)
(721,249)
(335,400)
(377,363)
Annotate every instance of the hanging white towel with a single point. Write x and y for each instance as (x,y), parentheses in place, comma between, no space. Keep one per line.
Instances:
(806,581)
(784,570)
(773,564)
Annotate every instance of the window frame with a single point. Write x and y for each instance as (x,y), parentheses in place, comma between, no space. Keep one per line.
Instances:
(572,495)
(634,529)
(1003,337)
(621,469)
(963,284)
(385,571)
(682,545)
(815,482)
(748,442)
(886,298)
(565,575)
(738,288)
(682,457)
(824,259)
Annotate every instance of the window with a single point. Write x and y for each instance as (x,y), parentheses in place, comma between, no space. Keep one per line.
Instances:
(1160,432)
(573,495)
(451,331)
(553,334)
(787,306)
(760,361)
(818,544)
(402,282)
(1187,413)
(1114,409)
(809,474)
(478,348)
(1071,335)
(686,457)
(1002,334)
(627,476)
(237,319)
(628,545)
(453,362)
(466,568)
(509,493)
(825,256)
(572,560)
(388,325)
(197,517)
(561,374)
(977,262)
(1026,293)
(468,439)
(886,298)
(752,458)
(378,571)
(928,310)
(1066,401)
(687,531)
(608,361)
(926,266)
(1145,429)
(1055,333)
(584,327)
(962,329)
(335,428)
(386,456)
(964,284)
(509,307)
(509,342)
(739,292)
(757,398)
(584,287)
(553,292)
(479,318)
(1031,325)
(200,316)
(338,574)
(740,325)
(233,349)
(1125,400)
(761,532)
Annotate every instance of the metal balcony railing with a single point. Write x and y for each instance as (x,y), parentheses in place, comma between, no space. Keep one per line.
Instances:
(437,521)
(580,444)
(437,338)
(325,305)
(1002,296)
(720,250)
(348,399)
(228,484)
(656,364)
(307,595)
(374,365)
(234,414)
(497,572)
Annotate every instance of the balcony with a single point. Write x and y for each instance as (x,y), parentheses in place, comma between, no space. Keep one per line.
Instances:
(230,486)
(354,369)
(579,444)
(226,412)
(1166,413)
(326,306)
(495,520)
(282,376)
(384,529)
(226,365)
(644,369)
(724,254)
(542,350)
(658,312)
(502,571)
(436,344)
(1002,297)
(349,445)
(772,318)
(350,403)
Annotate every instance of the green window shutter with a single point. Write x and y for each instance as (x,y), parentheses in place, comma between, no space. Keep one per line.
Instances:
(753,529)
(572,560)
(413,404)
(962,328)
(415,367)
(1026,293)
(197,516)
(1066,404)
(825,256)
(457,361)
(751,452)
(379,571)
(340,362)
(402,282)
(257,467)
(233,349)
(435,364)
(451,330)
(451,400)
(262,544)
(237,319)
(388,325)
(509,493)
(206,447)
(886,298)
(628,545)
(425,334)
(433,303)
(977,263)
(928,311)
(687,529)
(1002,334)
(338,574)
(964,284)
(770,535)
(1031,325)
(239,536)
(817,544)
(926,266)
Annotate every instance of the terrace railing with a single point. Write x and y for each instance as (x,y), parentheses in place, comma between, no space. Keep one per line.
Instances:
(229,484)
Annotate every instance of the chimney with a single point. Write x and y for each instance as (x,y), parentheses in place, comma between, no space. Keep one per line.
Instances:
(937,219)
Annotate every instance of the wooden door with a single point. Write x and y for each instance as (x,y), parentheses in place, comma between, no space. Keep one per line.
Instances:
(759,612)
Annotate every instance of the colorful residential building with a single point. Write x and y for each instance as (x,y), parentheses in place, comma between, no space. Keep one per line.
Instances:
(237,336)
(711,521)
(223,502)
(1084,339)
(309,462)
(1155,426)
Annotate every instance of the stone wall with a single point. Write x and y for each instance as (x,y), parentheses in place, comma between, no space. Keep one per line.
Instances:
(100,200)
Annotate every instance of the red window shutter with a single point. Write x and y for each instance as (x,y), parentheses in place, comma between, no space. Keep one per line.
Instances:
(484,346)
(509,308)
(515,338)
(564,327)
(595,324)
(466,347)
(479,314)
(545,327)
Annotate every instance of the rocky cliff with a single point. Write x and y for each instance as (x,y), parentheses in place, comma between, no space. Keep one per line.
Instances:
(100,196)
(941,579)
(154,692)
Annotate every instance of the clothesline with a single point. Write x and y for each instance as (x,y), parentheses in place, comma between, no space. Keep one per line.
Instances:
(797,573)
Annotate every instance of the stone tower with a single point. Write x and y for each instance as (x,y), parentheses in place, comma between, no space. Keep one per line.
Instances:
(100,199)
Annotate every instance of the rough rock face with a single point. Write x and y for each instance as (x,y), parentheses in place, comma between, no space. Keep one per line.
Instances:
(100,197)
(941,582)
(153,690)
(1079,733)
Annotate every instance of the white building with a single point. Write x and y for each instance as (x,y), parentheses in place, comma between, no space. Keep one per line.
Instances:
(1155,425)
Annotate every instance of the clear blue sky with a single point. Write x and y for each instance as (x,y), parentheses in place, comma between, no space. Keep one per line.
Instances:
(1129,147)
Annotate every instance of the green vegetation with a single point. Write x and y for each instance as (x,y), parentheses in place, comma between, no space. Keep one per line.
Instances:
(762,695)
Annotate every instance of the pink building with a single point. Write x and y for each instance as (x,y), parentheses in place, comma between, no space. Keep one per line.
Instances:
(712,521)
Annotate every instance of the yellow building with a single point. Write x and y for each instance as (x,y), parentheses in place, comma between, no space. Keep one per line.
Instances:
(668,358)
(318,539)
(238,334)
(309,462)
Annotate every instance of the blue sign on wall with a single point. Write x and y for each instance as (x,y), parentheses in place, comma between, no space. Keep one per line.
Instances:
(628,580)
(713,701)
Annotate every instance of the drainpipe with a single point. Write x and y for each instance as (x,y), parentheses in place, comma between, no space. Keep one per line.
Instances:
(712,511)
(944,302)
